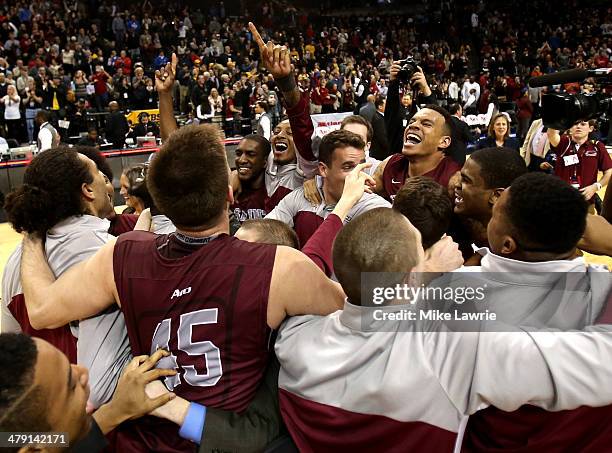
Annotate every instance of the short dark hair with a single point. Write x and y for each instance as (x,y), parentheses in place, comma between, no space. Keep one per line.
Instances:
(546,213)
(98,159)
(271,231)
(339,138)
(263,144)
(51,191)
(44,115)
(379,101)
(358,119)
(499,166)
(189,177)
(22,405)
(263,104)
(448,121)
(426,204)
(454,108)
(359,247)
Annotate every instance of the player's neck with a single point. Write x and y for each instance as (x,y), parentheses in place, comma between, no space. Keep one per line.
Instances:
(256,183)
(328,198)
(419,165)
(221,227)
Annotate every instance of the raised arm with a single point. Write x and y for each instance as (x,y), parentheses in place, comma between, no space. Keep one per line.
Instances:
(292,268)
(83,291)
(164,84)
(597,237)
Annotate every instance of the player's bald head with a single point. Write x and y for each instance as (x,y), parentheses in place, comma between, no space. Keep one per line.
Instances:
(380,240)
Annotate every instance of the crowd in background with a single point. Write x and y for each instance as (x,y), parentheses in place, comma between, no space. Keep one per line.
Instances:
(73,58)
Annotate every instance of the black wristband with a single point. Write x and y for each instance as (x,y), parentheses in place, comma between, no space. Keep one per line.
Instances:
(286,84)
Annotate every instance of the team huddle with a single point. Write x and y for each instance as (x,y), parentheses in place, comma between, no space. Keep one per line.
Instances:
(269,343)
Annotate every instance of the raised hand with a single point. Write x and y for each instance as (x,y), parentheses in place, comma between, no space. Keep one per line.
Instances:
(275,58)
(443,256)
(164,79)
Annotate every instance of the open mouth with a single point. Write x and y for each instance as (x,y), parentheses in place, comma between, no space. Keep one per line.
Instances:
(412,139)
(280,147)
(458,198)
(244,170)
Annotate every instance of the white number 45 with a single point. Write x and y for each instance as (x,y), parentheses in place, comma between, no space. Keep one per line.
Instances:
(207,349)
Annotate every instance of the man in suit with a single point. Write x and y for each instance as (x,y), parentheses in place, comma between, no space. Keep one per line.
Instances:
(368,109)
(461,134)
(380,143)
(116,126)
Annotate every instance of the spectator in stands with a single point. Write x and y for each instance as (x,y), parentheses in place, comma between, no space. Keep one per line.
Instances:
(12,114)
(32,101)
(134,190)
(145,127)
(523,115)
(117,126)
(536,146)
(264,119)
(498,134)
(92,139)
(462,135)
(380,143)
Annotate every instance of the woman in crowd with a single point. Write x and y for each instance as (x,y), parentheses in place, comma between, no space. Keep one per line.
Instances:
(12,114)
(134,190)
(32,103)
(80,85)
(216,102)
(498,134)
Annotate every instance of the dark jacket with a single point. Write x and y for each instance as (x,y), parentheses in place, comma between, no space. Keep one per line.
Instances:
(395,115)
(489,142)
(116,129)
(461,136)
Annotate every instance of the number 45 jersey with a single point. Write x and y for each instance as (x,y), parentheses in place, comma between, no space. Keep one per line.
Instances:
(204,300)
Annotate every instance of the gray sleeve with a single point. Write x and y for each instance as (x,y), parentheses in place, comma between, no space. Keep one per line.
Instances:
(103,348)
(11,286)
(550,369)
(288,207)
(367,202)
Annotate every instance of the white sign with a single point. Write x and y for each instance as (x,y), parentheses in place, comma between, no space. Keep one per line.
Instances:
(324,123)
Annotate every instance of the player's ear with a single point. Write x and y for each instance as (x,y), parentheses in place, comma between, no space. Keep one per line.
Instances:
(87,192)
(322,169)
(230,195)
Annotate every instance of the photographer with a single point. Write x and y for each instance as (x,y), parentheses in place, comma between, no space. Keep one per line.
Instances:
(579,159)
(396,118)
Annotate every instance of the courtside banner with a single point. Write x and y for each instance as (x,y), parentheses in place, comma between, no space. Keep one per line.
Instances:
(132,117)
(324,123)
(485,301)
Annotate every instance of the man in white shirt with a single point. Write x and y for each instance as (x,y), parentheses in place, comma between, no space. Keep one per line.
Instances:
(48,137)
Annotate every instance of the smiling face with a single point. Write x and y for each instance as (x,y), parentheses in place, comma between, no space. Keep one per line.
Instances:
(66,389)
(472,198)
(283,146)
(250,160)
(425,134)
(500,127)
(98,191)
(125,186)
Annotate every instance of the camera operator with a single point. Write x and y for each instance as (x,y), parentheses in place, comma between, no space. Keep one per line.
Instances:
(396,116)
(579,159)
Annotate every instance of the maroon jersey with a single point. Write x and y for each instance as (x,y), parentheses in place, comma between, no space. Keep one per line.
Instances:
(60,337)
(592,157)
(206,304)
(396,172)
(277,197)
(250,204)
(122,223)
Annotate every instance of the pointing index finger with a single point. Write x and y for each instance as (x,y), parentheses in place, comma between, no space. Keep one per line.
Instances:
(256,36)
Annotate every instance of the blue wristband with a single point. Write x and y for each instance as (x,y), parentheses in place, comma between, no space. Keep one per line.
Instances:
(193,425)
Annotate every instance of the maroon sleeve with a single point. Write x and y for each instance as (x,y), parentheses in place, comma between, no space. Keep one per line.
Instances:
(319,246)
(302,128)
(605,162)
(122,223)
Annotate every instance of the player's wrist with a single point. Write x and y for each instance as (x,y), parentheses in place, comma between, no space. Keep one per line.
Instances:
(597,185)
